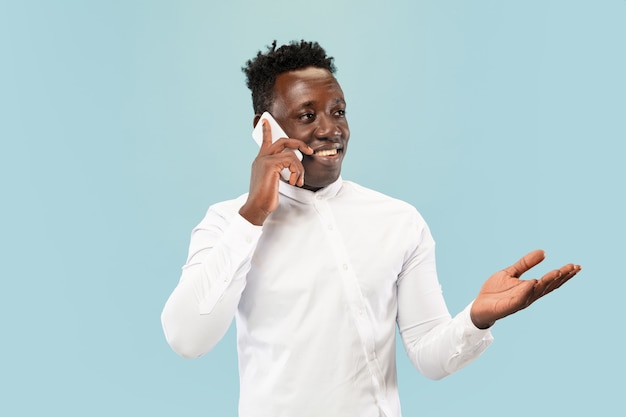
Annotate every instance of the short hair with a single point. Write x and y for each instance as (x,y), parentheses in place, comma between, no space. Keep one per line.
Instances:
(262,70)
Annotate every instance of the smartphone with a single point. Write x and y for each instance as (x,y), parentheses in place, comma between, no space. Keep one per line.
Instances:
(277,133)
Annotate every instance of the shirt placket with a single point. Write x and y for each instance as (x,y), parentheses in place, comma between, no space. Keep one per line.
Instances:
(356,301)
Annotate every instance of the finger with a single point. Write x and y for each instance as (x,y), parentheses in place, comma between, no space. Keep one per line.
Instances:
(267,134)
(547,283)
(306,149)
(296,179)
(567,274)
(290,144)
(525,263)
(554,279)
(293,175)
(295,167)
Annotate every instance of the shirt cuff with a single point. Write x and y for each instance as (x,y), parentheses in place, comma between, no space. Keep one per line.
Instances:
(470,331)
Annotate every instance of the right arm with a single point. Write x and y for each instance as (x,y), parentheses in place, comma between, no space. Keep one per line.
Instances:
(201,307)
(266,169)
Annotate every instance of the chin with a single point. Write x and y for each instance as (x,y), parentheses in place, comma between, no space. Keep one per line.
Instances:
(317,184)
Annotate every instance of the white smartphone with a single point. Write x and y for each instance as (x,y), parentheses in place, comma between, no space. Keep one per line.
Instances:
(277,133)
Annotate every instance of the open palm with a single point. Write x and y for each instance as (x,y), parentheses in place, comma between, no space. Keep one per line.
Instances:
(504,293)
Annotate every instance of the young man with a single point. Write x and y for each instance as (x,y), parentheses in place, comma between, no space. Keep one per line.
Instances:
(318,270)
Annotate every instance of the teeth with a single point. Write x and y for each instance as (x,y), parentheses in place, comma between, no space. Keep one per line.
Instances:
(326,152)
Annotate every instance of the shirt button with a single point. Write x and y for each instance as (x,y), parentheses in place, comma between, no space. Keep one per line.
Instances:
(330,227)
(318,197)
(345,267)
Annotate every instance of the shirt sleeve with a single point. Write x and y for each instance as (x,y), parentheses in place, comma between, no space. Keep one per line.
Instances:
(200,309)
(437,344)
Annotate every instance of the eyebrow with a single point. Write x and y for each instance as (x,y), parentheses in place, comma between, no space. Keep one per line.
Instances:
(310,103)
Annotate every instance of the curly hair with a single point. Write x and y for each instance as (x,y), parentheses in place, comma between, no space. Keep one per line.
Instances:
(262,70)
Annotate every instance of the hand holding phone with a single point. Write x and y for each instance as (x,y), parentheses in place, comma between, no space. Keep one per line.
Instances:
(277,133)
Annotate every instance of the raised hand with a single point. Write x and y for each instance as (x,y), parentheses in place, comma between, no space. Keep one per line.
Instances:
(265,176)
(504,293)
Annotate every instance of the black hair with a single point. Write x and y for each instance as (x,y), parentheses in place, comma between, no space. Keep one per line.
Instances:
(262,70)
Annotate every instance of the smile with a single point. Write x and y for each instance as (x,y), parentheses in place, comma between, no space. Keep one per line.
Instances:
(326,152)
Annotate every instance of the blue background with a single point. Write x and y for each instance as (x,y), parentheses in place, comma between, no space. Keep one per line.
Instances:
(122,121)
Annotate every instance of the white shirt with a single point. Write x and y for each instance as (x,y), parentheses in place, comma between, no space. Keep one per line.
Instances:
(317,292)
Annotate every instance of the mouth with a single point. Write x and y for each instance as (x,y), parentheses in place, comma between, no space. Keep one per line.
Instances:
(327,152)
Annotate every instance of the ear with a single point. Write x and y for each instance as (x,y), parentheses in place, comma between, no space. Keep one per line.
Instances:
(256,119)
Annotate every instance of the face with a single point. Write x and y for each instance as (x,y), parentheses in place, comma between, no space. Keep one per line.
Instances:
(309,105)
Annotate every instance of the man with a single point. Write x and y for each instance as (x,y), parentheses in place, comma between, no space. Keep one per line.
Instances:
(318,270)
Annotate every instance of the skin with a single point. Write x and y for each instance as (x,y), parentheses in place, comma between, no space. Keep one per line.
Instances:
(504,293)
(310,107)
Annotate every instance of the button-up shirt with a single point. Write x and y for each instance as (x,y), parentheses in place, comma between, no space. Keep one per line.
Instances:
(317,292)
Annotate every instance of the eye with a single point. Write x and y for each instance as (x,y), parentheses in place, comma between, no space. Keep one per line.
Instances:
(340,113)
(307,117)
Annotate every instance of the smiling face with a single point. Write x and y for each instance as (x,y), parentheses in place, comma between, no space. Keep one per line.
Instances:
(309,105)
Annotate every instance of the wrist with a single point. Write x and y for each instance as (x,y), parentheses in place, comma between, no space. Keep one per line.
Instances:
(255,217)
(481,324)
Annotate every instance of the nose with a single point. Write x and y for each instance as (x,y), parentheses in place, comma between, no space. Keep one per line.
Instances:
(327,127)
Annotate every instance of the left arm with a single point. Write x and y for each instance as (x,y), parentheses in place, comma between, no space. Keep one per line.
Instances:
(437,344)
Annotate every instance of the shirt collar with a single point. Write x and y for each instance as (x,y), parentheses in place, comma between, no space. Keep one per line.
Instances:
(308,196)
